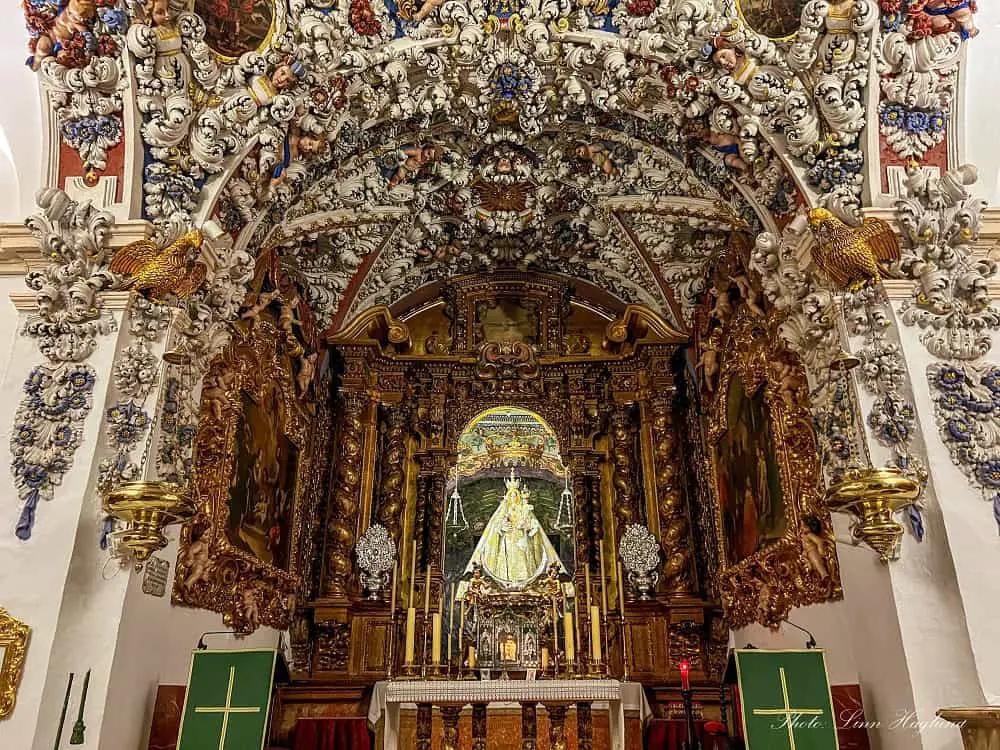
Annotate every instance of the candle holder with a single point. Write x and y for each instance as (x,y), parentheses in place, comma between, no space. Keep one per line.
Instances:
(691,742)
(437,672)
(410,671)
(390,659)
(624,627)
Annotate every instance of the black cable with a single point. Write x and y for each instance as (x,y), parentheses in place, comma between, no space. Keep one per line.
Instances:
(811,643)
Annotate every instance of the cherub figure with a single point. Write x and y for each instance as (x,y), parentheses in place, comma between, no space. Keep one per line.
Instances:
(76,18)
(814,544)
(260,304)
(748,294)
(728,146)
(298,145)
(196,560)
(943,16)
(307,368)
(595,154)
(215,391)
(263,88)
(708,363)
(411,160)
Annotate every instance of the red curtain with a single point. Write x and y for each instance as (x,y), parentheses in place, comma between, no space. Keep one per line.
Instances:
(670,735)
(332,734)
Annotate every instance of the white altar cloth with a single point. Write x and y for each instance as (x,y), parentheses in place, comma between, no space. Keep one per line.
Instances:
(617,697)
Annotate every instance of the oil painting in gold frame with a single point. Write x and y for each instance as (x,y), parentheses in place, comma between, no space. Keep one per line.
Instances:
(239,555)
(775,539)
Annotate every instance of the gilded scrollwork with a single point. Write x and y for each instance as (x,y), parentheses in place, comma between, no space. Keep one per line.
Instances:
(212,572)
(785,572)
(13,646)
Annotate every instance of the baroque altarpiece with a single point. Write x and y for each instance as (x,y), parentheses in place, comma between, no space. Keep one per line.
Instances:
(434,418)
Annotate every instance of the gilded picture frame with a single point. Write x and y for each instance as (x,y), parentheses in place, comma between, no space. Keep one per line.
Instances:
(14,645)
(212,572)
(799,565)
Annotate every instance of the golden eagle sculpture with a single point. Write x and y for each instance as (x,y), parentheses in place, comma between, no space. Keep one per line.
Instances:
(851,256)
(159,274)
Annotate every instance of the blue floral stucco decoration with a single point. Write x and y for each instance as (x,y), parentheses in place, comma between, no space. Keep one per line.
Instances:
(967,410)
(47,431)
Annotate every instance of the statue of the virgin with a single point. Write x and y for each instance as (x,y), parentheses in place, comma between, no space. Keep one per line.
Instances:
(514,548)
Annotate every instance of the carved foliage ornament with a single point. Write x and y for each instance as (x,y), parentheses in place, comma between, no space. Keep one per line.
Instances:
(940,221)
(212,573)
(801,566)
(13,645)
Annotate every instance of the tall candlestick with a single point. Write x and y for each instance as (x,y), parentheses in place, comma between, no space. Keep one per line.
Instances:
(595,635)
(411,633)
(461,628)
(392,605)
(568,637)
(586,571)
(451,620)
(413,574)
(621,590)
(427,593)
(555,627)
(604,587)
(436,638)
(576,615)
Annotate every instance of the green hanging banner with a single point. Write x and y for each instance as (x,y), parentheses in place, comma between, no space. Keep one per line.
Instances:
(228,700)
(785,699)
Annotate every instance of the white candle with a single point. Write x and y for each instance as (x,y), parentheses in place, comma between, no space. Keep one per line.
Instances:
(411,630)
(568,637)
(436,638)
(595,634)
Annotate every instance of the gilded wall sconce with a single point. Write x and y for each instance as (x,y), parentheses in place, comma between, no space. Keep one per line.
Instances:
(872,496)
(146,508)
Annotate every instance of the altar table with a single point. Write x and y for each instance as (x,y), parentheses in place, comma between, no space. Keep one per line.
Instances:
(555,695)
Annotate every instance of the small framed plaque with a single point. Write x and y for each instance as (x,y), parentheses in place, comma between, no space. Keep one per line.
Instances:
(154,580)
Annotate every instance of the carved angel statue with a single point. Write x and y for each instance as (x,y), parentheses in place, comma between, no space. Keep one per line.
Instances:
(376,553)
(851,256)
(174,271)
(640,555)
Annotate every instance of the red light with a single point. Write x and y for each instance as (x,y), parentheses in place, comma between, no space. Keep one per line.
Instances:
(685,667)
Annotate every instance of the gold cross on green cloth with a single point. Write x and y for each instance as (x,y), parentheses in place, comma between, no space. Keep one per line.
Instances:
(787,711)
(228,709)
(785,700)
(228,700)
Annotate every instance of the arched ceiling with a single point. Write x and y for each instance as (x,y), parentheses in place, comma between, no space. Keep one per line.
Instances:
(383,145)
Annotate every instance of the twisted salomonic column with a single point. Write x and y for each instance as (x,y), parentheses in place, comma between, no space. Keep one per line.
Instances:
(390,510)
(670,504)
(346,495)
(625,497)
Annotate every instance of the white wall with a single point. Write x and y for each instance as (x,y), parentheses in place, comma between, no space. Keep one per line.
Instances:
(35,571)
(20,120)
(980,110)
